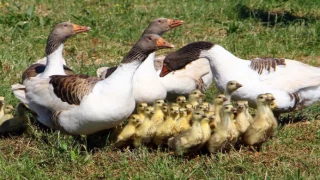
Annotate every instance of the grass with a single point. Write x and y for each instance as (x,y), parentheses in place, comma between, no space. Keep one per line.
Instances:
(248,28)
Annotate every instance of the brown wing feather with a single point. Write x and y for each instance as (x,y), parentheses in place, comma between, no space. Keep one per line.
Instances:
(38,68)
(260,64)
(72,88)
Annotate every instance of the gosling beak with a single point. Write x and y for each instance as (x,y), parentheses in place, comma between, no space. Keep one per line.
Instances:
(224,99)
(234,110)
(201,95)
(204,116)
(165,70)
(172,23)
(79,29)
(161,43)
(239,85)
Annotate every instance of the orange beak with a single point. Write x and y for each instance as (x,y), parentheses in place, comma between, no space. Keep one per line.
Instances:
(161,43)
(79,29)
(165,70)
(172,23)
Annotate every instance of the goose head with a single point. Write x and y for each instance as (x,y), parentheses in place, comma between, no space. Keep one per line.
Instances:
(60,33)
(228,109)
(198,115)
(161,25)
(135,119)
(262,99)
(204,107)
(8,109)
(196,95)
(180,58)
(149,111)
(271,100)
(141,106)
(220,99)
(147,44)
(174,111)
(233,86)
(240,106)
(159,103)
(181,100)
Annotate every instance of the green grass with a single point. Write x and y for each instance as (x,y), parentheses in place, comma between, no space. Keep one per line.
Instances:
(248,28)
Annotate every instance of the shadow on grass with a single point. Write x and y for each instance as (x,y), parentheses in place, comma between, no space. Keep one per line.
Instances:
(291,118)
(271,18)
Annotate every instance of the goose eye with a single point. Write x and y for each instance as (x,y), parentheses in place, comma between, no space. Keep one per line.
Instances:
(150,38)
(65,25)
(159,21)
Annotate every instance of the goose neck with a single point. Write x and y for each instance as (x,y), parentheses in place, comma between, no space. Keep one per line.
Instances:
(55,63)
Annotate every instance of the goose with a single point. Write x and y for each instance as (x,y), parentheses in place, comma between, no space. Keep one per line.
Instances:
(146,76)
(181,101)
(218,102)
(159,115)
(195,98)
(242,121)
(183,123)
(206,130)
(140,110)
(189,140)
(7,113)
(261,129)
(219,138)
(16,123)
(80,104)
(143,134)
(168,128)
(128,131)
(231,87)
(274,122)
(55,43)
(195,75)
(2,105)
(292,90)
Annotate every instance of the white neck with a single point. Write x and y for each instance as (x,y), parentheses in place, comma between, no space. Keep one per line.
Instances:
(120,80)
(224,65)
(54,64)
(147,67)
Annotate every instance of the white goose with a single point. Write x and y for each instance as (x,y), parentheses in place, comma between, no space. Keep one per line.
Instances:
(194,75)
(79,104)
(47,66)
(293,84)
(146,76)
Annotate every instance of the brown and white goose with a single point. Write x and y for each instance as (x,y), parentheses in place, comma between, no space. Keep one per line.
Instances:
(55,43)
(79,104)
(291,82)
(146,76)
